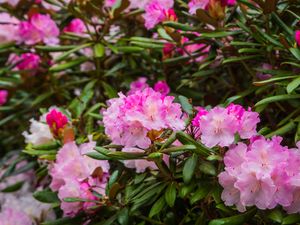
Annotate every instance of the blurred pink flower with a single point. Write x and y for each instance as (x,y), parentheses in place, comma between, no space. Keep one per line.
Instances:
(3,96)
(162,87)
(138,85)
(197,4)
(157,11)
(10,2)
(10,216)
(39,28)
(26,61)
(76,26)
(8,28)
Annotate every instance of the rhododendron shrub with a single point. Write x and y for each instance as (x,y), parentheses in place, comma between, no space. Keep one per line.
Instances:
(135,112)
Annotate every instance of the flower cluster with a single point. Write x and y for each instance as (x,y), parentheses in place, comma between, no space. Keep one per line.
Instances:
(75,175)
(264,174)
(39,28)
(128,119)
(219,125)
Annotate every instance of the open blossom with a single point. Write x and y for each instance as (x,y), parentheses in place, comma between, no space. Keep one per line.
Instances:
(76,26)
(162,87)
(128,119)
(39,28)
(56,121)
(158,11)
(3,97)
(264,174)
(218,126)
(297,37)
(197,4)
(8,28)
(76,175)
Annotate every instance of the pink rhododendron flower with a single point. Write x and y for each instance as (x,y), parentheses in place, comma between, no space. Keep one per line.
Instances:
(10,2)
(8,28)
(76,26)
(201,112)
(3,96)
(56,121)
(138,85)
(192,48)
(157,11)
(263,174)
(39,28)
(74,175)
(162,87)
(128,120)
(26,61)
(297,37)
(11,216)
(197,4)
(139,4)
(218,126)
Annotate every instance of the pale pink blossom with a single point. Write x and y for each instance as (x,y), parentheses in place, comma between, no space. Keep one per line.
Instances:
(8,28)
(73,176)
(75,26)
(39,28)
(10,2)
(128,119)
(263,174)
(3,96)
(10,216)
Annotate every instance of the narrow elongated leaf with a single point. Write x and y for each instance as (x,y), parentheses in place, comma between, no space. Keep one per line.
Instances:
(189,168)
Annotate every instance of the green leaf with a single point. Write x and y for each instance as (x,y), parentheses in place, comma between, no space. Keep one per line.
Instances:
(200,193)
(68,65)
(276,215)
(157,207)
(282,130)
(66,54)
(12,188)
(170,194)
(99,50)
(180,26)
(234,220)
(129,49)
(276,99)
(189,168)
(109,90)
(293,85)
(207,168)
(46,196)
(186,105)
(291,219)
(295,52)
(123,216)
(79,104)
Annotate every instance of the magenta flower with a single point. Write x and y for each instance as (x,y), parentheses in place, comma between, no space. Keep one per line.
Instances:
(76,26)
(297,37)
(56,121)
(26,61)
(201,112)
(39,28)
(162,87)
(3,96)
